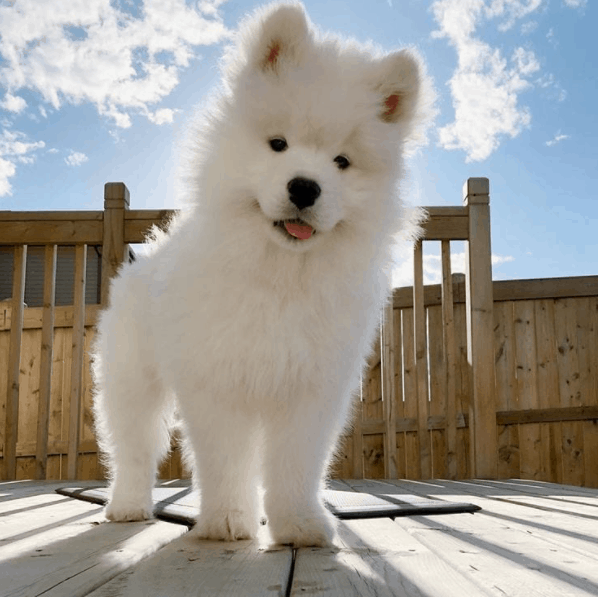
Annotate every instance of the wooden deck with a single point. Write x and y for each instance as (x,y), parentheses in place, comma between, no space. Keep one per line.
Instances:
(531,539)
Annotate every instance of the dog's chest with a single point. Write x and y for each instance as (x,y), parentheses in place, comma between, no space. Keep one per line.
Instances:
(266,343)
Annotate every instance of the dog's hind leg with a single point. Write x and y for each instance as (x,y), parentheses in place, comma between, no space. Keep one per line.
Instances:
(133,415)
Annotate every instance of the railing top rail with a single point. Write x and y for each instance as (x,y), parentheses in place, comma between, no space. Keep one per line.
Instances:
(77,227)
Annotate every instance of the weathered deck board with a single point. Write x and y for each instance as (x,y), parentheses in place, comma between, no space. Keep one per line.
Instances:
(565,493)
(531,539)
(378,557)
(539,551)
(60,548)
(190,567)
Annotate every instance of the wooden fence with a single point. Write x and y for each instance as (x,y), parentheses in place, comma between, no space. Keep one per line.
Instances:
(545,349)
(459,386)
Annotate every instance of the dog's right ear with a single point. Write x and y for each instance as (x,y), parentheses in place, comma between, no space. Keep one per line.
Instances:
(275,37)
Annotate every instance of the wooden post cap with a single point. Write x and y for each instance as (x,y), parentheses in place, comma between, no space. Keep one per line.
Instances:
(476,190)
(116,195)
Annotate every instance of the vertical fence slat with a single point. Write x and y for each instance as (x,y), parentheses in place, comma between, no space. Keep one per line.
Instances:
(399,403)
(358,458)
(373,443)
(506,388)
(412,459)
(77,358)
(389,394)
(448,340)
(436,390)
(527,389)
(45,374)
(421,367)
(14,360)
(480,322)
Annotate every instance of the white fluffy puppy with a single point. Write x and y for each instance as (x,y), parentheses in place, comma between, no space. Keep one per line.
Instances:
(254,315)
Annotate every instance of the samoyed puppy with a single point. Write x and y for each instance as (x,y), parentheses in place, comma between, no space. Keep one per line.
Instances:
(253,316)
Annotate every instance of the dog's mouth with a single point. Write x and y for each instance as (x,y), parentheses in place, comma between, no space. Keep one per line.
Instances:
(295,229)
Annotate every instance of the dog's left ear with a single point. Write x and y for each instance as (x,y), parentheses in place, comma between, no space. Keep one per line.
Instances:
(398,84)
(276,38)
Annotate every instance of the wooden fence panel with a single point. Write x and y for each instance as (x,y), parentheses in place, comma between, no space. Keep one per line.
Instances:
(372,409)
(506,388)
(29,379)
(418,397)
(527,395)
(566,324)
(547,390)
(590,428)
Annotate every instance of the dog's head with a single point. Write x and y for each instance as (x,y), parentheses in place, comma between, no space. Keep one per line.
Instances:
(313,128)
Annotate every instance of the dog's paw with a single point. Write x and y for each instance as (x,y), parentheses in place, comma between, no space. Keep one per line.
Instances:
(315,529)
(225,525)
(128,510)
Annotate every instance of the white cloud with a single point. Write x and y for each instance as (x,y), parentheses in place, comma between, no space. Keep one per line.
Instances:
(433,267)
(162,116)
(402,275)
(485,86)
(75,158)
(525,61)
(14,148)
(576,3)
(74,51)
(511,10)
(529,27)
(500,259)
(7,170)
(552,87)
(13,103)
(556,139)
(96,51)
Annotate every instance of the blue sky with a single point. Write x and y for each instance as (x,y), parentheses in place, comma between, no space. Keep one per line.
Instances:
(97,90)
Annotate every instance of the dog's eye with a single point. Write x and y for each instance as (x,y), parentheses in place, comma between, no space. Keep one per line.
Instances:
(342,161)
(278,144)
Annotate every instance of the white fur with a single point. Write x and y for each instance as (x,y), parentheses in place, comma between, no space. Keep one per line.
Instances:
(256,339)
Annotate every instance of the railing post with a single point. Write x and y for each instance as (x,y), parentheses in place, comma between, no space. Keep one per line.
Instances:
(114,249)
(45,369)
(479,304)
(389,393)
(78,345)
(420,346)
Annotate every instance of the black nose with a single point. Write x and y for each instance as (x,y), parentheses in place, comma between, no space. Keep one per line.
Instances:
(303,192)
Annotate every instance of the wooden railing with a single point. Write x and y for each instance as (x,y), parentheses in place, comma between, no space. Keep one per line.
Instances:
(438,400)
(397,404)
(545,346)
(29,417)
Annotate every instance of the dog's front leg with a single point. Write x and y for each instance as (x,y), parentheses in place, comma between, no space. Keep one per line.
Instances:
(298,446)
(225,446)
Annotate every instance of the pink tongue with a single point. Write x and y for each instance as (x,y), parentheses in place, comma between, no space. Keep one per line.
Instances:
(302,231)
